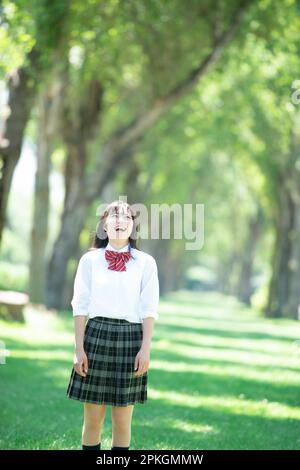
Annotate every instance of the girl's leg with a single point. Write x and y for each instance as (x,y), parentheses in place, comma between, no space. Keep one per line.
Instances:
(121,425)
(93,421)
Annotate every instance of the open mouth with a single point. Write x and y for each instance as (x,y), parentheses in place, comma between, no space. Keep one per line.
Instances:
(119,229)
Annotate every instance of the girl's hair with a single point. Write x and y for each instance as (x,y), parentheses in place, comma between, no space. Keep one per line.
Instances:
(114,207)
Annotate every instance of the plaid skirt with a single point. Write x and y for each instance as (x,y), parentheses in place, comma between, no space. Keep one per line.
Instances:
(111,346)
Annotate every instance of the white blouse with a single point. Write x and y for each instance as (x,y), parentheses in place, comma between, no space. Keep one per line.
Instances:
(132,294)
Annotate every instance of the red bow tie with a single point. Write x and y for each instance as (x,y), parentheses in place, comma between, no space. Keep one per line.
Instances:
(117,259)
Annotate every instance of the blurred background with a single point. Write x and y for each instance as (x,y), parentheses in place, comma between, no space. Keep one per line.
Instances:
(166,102)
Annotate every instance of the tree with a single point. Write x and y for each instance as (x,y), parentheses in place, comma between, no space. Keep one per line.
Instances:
(115,147)
(46,35)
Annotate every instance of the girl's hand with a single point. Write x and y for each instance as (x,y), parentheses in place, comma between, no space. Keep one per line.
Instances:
(81,362)
(142,360)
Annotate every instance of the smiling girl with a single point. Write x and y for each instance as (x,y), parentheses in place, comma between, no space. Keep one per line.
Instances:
(116,289)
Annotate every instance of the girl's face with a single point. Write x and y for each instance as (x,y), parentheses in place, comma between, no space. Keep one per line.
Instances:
(119,224)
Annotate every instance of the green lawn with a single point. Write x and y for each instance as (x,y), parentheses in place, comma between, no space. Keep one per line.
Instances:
(220,377)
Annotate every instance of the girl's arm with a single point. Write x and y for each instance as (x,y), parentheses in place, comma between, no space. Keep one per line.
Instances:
(149,299)
(79,327)
(80,304)
(148,325)
(142,360)
(80,358)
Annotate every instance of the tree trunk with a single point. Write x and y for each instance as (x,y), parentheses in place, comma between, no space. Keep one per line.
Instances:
(245,288)
(74,215)
(171,268)
(77,130)
(226,273)
(293,305)
(284,296)
(21,93)
(65,247)
(47,118)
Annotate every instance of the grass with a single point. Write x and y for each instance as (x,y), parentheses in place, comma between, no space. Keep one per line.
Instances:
(220,377)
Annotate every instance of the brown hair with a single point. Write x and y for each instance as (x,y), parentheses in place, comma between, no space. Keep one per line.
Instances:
(113,207)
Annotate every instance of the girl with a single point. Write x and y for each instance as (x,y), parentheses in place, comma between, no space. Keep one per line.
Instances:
(116,286)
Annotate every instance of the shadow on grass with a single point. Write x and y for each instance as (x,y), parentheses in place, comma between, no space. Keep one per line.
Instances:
(37,414)
(222,333)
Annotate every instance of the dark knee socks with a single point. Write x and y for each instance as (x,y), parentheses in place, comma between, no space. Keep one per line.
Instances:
(119,448)
(96,447)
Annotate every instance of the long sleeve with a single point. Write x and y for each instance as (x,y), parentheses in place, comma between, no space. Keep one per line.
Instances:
(149,295)
(82,287)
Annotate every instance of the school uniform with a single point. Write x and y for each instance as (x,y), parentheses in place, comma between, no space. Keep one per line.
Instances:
(117,291)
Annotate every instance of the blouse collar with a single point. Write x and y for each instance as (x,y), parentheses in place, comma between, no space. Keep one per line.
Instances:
(125,248)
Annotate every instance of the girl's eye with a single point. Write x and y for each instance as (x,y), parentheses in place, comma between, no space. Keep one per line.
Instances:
(121,216)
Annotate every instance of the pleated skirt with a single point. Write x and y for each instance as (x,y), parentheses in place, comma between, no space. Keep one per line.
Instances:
(111,346)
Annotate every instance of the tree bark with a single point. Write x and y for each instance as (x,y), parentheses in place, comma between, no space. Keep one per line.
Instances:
(284,290)
(21,86)
(245,288)
(293,304)
(77,130)
(48,112)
